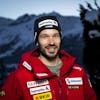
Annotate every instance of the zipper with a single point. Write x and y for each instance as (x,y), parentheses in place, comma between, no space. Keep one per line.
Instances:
(59,89)
(59,86)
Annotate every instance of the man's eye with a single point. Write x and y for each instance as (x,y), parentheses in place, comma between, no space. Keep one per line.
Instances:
(56,35)
(44,36)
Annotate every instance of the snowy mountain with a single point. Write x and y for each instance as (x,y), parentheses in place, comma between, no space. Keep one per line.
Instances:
(5,21)
(18,34)
(16,37)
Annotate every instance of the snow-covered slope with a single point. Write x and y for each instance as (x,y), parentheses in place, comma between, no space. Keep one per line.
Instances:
(19,33)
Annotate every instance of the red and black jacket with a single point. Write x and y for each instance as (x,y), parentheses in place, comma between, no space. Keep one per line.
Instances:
(34,81)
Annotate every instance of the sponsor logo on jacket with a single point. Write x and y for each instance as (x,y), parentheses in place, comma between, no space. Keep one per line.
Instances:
(74,81)
(37,83)
(40,89)
(43,96)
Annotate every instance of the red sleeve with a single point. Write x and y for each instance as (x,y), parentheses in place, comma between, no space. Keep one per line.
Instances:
(89,92)
(11,88)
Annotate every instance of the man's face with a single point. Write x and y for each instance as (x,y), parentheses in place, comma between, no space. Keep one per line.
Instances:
(49,42)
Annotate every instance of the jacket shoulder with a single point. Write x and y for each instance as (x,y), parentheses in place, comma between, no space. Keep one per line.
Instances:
(78,67)
(26,54)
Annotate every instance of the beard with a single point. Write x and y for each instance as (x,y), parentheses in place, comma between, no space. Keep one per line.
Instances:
(51,55)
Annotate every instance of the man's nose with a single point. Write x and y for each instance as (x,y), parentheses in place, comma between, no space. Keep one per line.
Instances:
(51,40)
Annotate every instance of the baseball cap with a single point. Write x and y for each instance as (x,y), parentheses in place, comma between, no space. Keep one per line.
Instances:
(45,22)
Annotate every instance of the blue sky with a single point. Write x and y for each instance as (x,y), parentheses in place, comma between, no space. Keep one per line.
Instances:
(15,8)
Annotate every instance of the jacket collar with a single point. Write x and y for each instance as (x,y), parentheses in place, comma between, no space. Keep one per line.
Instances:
(40,71)
(68,62)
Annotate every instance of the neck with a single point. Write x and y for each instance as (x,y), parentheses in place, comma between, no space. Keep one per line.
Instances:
(50,62)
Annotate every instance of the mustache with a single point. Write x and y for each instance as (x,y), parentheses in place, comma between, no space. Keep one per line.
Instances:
(51,45)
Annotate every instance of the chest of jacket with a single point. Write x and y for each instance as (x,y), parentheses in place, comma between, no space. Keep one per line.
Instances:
(66,87)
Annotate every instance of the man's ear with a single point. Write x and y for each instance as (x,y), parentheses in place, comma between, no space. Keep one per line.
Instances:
(37,44)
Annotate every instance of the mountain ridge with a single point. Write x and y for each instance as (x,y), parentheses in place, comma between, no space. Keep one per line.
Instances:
(16,37)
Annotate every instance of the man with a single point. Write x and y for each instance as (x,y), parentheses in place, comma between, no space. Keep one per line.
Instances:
(47,73)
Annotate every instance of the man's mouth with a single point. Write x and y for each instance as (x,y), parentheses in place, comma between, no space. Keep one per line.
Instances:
(51,49)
